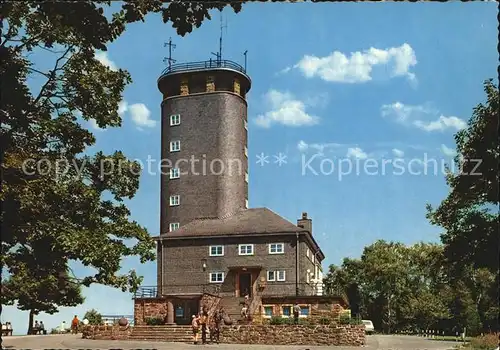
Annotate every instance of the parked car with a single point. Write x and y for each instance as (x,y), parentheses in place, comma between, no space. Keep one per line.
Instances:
(369,329)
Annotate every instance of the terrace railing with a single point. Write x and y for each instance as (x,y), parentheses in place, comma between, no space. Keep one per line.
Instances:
(190,66)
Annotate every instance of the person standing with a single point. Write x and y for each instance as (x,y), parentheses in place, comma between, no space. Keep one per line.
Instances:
(219,318)
(74,325)
(195,325)
(203,322)
(296,313)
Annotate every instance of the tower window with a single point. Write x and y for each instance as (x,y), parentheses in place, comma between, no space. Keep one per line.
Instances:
(175,173)
(175,146)
(246,152)
(246,203)
(246,177)
(175,119)
(246,124)
(175,200)
(173,226)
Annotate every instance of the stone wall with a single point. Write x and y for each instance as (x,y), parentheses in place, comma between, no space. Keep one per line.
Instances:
(345,335)
(145,308)
(211,302)
(114,332)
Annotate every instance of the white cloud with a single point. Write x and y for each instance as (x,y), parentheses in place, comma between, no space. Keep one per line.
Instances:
(356,152)
(450,152)
(420,116)
(285,110)
(102,57)
(398,153)
(140,115)
(302,146)
(441,124)
(358,67)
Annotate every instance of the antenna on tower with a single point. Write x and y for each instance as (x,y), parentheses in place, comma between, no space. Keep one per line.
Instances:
(245,54)
(222,26)
(171,46)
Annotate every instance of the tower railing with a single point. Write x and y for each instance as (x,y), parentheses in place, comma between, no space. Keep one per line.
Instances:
(190,66)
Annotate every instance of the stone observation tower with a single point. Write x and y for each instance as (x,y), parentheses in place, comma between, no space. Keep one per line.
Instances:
(203,141)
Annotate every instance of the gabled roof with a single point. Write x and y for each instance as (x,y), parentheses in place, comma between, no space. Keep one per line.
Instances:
(247,221)
(255,221)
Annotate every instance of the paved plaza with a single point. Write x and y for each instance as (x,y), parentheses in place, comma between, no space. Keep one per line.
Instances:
(374,342)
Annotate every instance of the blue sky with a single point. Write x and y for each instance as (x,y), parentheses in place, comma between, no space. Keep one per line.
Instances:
(336,82)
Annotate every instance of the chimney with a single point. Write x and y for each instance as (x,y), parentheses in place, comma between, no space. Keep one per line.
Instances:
(305,223)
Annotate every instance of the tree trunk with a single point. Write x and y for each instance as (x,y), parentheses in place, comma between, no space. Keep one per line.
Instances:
(30,325)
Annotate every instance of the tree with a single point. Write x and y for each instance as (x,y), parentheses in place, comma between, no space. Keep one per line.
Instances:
(93,317)
(53,196)
(469,215)
(395,286)
(38,289)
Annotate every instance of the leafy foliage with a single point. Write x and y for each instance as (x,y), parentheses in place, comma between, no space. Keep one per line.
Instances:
(470,217)
(393,285)
(59,204)
(94,317)
(154,321)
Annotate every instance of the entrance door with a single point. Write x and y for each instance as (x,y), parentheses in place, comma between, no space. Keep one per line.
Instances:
(245,284)
(184,309)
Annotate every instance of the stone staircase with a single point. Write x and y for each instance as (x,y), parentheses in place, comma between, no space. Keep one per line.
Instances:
(232,307)
(182,334)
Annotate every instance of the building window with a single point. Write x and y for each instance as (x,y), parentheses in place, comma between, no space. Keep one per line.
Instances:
(246,152)
(175,173)
(179,312)
(276,248)
(175,146)
(268,311)
(175,119)
(175,200)
(245,249)
(246,124)
(286,311)
(304,311)
(280,276)
(307,252)
(173,226)
(216,250)
(216,277)
(246,203)
(271,276)
(246,177)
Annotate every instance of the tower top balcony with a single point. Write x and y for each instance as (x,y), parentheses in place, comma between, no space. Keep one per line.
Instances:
(193,73)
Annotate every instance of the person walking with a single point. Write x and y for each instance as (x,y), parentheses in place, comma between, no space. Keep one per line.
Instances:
(195,325)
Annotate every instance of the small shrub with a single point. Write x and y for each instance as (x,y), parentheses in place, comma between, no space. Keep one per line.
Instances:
(54,331)
(93,317)
(344,319)
(277,320)
(355,321)
(486,342)
(324,321)
(154,321)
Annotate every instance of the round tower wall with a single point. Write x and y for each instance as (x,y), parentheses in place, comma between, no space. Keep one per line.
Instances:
(211,159)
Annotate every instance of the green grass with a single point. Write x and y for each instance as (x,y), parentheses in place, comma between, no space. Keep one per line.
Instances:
(451,338)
